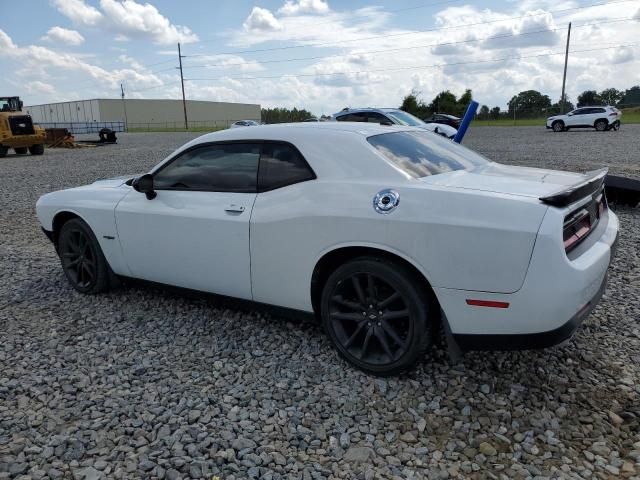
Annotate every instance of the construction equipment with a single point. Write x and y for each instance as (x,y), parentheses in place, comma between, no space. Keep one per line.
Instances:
(17,130)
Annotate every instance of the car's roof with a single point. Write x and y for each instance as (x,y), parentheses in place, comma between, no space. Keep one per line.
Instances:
(325,145)
(365,109)
(289,130)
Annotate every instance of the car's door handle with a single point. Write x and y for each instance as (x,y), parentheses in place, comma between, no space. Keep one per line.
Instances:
(234,208)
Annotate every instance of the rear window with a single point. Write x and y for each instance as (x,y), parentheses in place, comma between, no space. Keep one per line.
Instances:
(420,154)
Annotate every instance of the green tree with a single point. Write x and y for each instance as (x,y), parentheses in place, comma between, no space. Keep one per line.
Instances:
(558,107)
(611,96)
(413,105)
(284,115)
(465,99)
(495,113)
(529,103)
(631,97)
(589,97)
(484,113)
(444,102)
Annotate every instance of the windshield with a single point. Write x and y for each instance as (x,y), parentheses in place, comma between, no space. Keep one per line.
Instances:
(420,154)
(404,118)
(8,104)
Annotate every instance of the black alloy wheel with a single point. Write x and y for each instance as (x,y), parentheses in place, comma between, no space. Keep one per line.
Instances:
(376,315)
(82,260)
(558,126)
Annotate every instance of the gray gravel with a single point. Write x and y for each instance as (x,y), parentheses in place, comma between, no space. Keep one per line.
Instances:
(146,383)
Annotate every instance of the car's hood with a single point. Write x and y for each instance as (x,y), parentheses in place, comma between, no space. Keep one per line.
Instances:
(113,182)
(506,179)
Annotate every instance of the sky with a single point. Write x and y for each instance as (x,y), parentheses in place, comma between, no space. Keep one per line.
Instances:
(322,55)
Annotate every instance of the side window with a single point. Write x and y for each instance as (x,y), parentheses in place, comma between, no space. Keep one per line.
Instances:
(353,117)
(598,110)
(580,111)
(375,117)
(281,165)
(230,167)
(343,118)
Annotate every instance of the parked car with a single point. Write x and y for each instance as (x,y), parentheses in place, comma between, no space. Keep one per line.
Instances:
(386,233)
(391,116)
(600,118)
(311,119)
(244,123)
(444,119)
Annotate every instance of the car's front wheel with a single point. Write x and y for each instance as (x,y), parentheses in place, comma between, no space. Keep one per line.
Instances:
(558,126)
(82,259)
(377,314)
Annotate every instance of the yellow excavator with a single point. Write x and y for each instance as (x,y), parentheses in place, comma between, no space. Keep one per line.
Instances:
(17,130)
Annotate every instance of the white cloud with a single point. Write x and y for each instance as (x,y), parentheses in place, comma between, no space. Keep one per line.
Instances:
(63,35)
(127,19)
(38,87)
(304,7)
(78,12)
(130,18)
(261,19)
(39,64)
(622,55)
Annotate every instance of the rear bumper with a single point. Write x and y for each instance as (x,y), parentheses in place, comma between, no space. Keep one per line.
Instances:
(531,341)
(557,295)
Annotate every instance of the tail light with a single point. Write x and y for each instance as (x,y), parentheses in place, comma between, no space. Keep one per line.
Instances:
(613,114)
(579,223)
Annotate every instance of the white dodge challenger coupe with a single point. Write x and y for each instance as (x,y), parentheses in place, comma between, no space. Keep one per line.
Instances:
(386,233)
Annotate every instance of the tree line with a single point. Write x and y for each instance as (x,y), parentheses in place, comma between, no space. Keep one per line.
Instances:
(529,103)
(526,104)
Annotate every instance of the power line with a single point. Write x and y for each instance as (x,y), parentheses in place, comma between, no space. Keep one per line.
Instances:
(415,67)
(416,32)
(373,52)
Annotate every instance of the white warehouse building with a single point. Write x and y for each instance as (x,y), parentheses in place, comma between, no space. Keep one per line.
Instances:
(141,113)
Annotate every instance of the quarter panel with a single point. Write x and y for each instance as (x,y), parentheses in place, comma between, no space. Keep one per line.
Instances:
(459,239)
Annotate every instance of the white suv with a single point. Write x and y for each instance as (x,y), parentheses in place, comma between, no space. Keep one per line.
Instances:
(600,118)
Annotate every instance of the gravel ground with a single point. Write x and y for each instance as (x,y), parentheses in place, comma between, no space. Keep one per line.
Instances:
(146,383)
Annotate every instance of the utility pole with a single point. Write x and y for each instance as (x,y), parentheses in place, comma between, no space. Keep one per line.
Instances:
(564,77)
(124,107)
(184,102)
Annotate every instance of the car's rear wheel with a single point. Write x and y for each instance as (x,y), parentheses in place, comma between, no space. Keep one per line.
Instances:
(21,150)
(601,125)
(377,314)
(558,126)
(82,259)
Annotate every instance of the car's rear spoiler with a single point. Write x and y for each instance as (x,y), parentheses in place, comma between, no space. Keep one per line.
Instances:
(591,184)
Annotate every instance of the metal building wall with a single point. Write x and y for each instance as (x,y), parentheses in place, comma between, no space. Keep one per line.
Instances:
(141,111)
(79,111)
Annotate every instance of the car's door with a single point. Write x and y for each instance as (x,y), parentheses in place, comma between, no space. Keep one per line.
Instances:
(576,117)
(195,232)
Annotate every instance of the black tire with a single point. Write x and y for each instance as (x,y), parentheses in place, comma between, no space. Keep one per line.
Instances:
(385,323)
(601,125)
(558,126)
(82,259)
(37,149)
(3,151)
(616,126)
(21,150)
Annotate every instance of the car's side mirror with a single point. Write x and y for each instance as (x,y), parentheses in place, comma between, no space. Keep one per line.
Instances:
(144,184)
(570,114)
